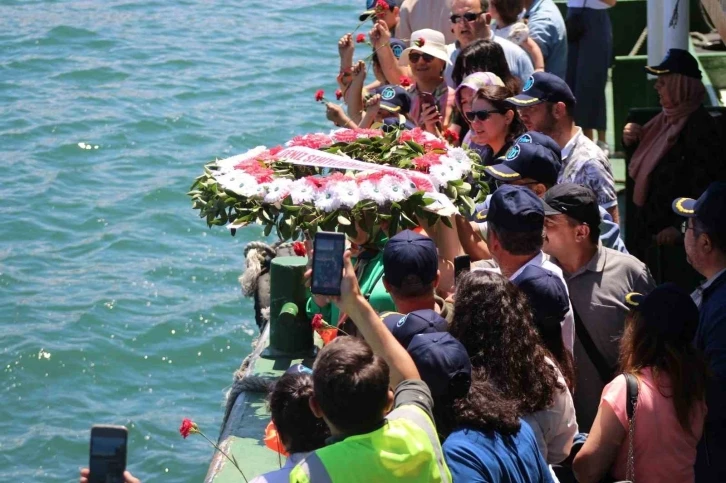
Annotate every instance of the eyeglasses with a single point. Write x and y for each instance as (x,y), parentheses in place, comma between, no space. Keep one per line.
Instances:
(482,115)
(414,57)
(468,16)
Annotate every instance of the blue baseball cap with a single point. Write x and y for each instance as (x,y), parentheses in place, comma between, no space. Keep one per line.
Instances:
(668,311)
(527,160)
(547,296)
(397,46)
(410,256)
(390,124)
(443,363)
(535,137)
(298,369)
(709,209)
(394,99)
(371,8)
(516,209)
(676,61)
(405,326)
(543,87)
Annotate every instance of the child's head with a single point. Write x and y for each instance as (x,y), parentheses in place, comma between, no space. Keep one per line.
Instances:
(298,428)
(506,12)
(351,387)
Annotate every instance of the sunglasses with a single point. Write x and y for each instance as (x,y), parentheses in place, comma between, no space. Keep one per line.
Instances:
(482,115)
(468,16)
(414,57)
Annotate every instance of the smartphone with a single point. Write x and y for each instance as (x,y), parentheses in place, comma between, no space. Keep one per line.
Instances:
(328,249)
(462,263)
(427,99)
(108,454)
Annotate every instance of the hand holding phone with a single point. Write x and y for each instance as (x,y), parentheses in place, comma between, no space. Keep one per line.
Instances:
(462,264)
(108,454)
(327,263)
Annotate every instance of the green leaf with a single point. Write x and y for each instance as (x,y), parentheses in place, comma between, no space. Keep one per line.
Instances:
(268,229)
(446,221)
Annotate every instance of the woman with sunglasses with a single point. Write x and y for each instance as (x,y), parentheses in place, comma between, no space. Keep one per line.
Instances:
(494,124)
(432,100)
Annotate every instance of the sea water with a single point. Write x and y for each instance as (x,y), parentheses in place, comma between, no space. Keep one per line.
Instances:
(117,304)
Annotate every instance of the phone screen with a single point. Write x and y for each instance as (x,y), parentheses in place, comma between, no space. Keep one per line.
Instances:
(328,263)
(108,455)
(462,263)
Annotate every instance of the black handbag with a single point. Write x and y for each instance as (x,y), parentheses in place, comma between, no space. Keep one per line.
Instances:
(575,25)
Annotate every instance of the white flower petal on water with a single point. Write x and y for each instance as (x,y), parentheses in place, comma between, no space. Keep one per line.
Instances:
(347,192)
(278,190)
(370,191)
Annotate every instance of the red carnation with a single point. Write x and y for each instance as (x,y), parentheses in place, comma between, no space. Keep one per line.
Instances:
(338,94)
(360,38)
(420,42)
(451,136)
(317,322)
(381,7)
(320,95)
(404,81)
(188,427)
(275,150)
(299,249)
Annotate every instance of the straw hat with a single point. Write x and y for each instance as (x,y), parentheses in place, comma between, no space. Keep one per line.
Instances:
(426,41)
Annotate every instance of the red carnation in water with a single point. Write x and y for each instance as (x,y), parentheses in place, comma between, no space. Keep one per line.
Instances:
(404,81)
(320,95)
(451,136)
(360,38)
(317,321)
(338,94)
(188,427)
(420,42)
(299,248)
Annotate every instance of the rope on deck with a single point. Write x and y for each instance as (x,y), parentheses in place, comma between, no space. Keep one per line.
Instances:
(257,254)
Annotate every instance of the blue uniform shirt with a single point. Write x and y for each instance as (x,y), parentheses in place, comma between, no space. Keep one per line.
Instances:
(547,28)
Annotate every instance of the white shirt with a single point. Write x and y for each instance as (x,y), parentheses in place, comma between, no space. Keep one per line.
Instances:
(556,426)
(697,294)
(283,474)
(541,260)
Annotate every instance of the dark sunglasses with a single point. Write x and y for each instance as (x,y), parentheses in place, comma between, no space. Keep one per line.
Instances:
(482,115)
(414,57)
(468,16)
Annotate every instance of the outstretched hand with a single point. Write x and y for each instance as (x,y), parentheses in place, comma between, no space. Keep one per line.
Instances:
(128,477)
(350,295)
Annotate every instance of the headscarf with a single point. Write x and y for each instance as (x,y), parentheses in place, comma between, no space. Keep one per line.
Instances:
(660,134)
(476,81)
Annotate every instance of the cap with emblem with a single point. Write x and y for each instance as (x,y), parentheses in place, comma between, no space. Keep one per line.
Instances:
(574,200)
(709,209)
(373,5)
(516,209)
(405,327)
(394,99)
(676,61)
(410,256)
(527,160)
(543,87)
(547,296)
(535,137)
(443,363)
(298,369)
(668,311)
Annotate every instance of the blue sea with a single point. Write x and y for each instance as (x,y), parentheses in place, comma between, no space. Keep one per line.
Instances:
(117,304)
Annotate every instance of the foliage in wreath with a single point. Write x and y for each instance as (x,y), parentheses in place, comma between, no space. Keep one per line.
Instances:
(414,171)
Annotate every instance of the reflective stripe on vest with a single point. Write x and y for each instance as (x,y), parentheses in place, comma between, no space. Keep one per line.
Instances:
(351,460)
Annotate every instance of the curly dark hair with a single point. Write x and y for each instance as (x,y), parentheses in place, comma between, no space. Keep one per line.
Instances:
(485,56)
(493,320)
(299,429)
(484,408)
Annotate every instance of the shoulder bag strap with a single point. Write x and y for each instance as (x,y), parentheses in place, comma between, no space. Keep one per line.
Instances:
(606,371)
(632,404)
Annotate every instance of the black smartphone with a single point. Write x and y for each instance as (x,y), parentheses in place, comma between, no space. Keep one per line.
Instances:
(328,249)
(427,99)
(462,263)
(108,454)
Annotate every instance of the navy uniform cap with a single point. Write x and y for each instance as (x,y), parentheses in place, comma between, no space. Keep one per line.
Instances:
(371,8)
(405,327)
(547,296)
(676,61)
(668,311)
(298,369)
(535,137)
(543,87)
(394,99)
(527,160)
(709,208)
(390,124)
(516,209)
(443,363)
(410,255)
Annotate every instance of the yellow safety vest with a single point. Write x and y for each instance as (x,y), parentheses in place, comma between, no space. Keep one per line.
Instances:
(405,449)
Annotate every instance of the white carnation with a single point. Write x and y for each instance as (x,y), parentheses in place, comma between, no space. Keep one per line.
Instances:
(327,200)
(278,190)
(393,189)
(443,173)
(463,164)
(459,154)
(302,191)
(370,191)
(241,183)
(347,192)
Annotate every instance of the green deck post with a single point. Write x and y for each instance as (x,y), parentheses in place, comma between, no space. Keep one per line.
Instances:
(291,336)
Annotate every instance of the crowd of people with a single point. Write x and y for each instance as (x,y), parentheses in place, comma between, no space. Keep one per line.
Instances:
(555,357)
